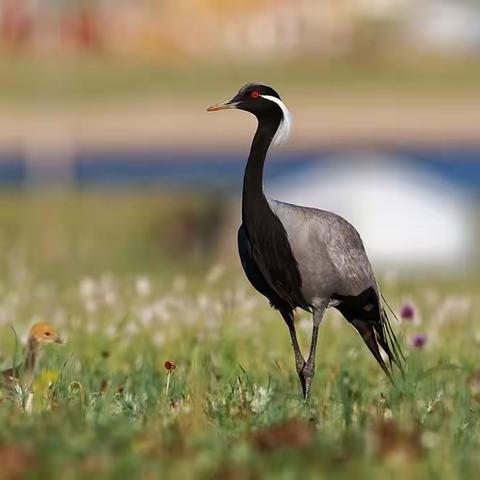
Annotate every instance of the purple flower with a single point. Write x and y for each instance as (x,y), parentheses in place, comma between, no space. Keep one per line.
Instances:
(407,312)
(419,340)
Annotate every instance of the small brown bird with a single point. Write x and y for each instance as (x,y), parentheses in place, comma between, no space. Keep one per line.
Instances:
(40,334)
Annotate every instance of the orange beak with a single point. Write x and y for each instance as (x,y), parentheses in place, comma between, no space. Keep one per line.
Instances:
(222,106)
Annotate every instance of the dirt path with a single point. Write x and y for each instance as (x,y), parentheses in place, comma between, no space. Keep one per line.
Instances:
(327,122)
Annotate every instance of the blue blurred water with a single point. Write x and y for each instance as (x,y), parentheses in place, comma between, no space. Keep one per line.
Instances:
(224,170)
(12,169)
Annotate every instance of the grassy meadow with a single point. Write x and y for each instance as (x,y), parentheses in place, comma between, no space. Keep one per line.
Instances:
(28,82)
(135,281)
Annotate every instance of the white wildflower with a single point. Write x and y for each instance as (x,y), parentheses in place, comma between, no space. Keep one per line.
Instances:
(143,286)
(260,399)
(87,287)
(131,328)
(146,316)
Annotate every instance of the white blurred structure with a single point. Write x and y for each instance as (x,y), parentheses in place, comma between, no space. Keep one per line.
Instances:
(409,218)
(446,25)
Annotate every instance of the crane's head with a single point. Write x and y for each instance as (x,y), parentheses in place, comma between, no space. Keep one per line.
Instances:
(43,333)
(263,102)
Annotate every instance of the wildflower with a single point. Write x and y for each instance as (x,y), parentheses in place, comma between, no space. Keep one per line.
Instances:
(45,382)
(131,328)
(110,298)
(260,399)
(143,286)
(146,316)
(407,312)
(170,366)
(108,290)
(87,287)
(419,340)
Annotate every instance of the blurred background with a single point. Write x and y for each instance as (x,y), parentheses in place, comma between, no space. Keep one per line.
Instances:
(108,159)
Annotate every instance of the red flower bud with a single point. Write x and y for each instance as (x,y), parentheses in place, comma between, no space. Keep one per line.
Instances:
(170,365)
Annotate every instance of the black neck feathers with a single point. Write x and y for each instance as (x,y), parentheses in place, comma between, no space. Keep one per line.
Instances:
(270,246)
(253,197)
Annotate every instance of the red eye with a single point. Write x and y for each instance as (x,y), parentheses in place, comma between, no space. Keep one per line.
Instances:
(255,94)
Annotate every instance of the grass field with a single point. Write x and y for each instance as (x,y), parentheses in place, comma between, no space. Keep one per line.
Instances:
(29,82)
(121,279)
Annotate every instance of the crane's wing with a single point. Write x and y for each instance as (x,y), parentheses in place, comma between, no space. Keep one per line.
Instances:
(334,264)
(328,249)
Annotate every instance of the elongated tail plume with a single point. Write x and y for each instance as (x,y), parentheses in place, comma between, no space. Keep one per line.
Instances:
(393,348)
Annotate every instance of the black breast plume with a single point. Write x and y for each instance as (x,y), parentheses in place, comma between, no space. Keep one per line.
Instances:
(274,257)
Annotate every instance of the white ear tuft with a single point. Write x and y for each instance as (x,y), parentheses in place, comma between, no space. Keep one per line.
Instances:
(285,127)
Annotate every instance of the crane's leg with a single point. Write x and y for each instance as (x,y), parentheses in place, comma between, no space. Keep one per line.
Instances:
(309,369)
(299,360)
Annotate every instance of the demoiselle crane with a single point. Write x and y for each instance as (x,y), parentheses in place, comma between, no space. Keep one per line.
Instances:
(303,257)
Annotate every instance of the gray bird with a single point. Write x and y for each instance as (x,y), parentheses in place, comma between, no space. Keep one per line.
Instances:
(304,257)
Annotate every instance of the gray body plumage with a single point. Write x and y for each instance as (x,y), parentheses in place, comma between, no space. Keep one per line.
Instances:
(329,252)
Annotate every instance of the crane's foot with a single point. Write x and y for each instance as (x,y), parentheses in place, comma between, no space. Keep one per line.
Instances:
(306,377)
